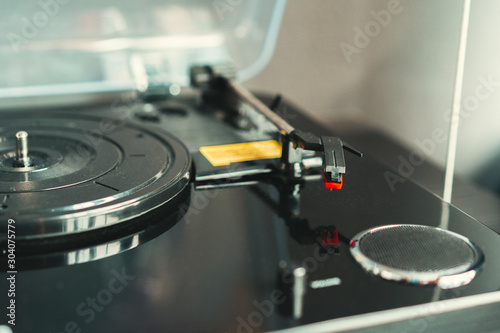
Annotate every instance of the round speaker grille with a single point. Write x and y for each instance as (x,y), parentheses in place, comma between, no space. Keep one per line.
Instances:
(417,254)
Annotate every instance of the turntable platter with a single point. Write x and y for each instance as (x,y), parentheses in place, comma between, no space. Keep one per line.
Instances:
(84,173)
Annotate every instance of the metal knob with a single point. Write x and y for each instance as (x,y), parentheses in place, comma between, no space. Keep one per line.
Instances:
(22,157)
(299,290)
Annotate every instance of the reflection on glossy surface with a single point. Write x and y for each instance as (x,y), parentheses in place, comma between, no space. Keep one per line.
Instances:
(137,235)
(287,205)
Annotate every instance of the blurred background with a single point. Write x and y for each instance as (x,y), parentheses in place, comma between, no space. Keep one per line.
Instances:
(389,67)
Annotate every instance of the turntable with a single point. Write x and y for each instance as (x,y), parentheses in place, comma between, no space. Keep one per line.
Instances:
(155,193)
(56,184)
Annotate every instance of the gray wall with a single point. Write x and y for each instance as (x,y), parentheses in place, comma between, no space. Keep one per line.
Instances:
(402,79)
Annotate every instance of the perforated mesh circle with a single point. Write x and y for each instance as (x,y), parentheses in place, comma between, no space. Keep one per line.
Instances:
(415,248)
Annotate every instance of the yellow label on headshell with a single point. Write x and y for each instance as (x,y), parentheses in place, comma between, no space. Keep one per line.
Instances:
(241,152)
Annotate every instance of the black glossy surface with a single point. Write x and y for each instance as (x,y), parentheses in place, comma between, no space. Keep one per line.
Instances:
(208,272)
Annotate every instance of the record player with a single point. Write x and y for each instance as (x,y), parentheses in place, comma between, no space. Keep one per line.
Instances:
(143,188)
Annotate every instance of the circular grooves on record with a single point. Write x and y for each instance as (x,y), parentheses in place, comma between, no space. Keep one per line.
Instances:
(88,173)
(417,254)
